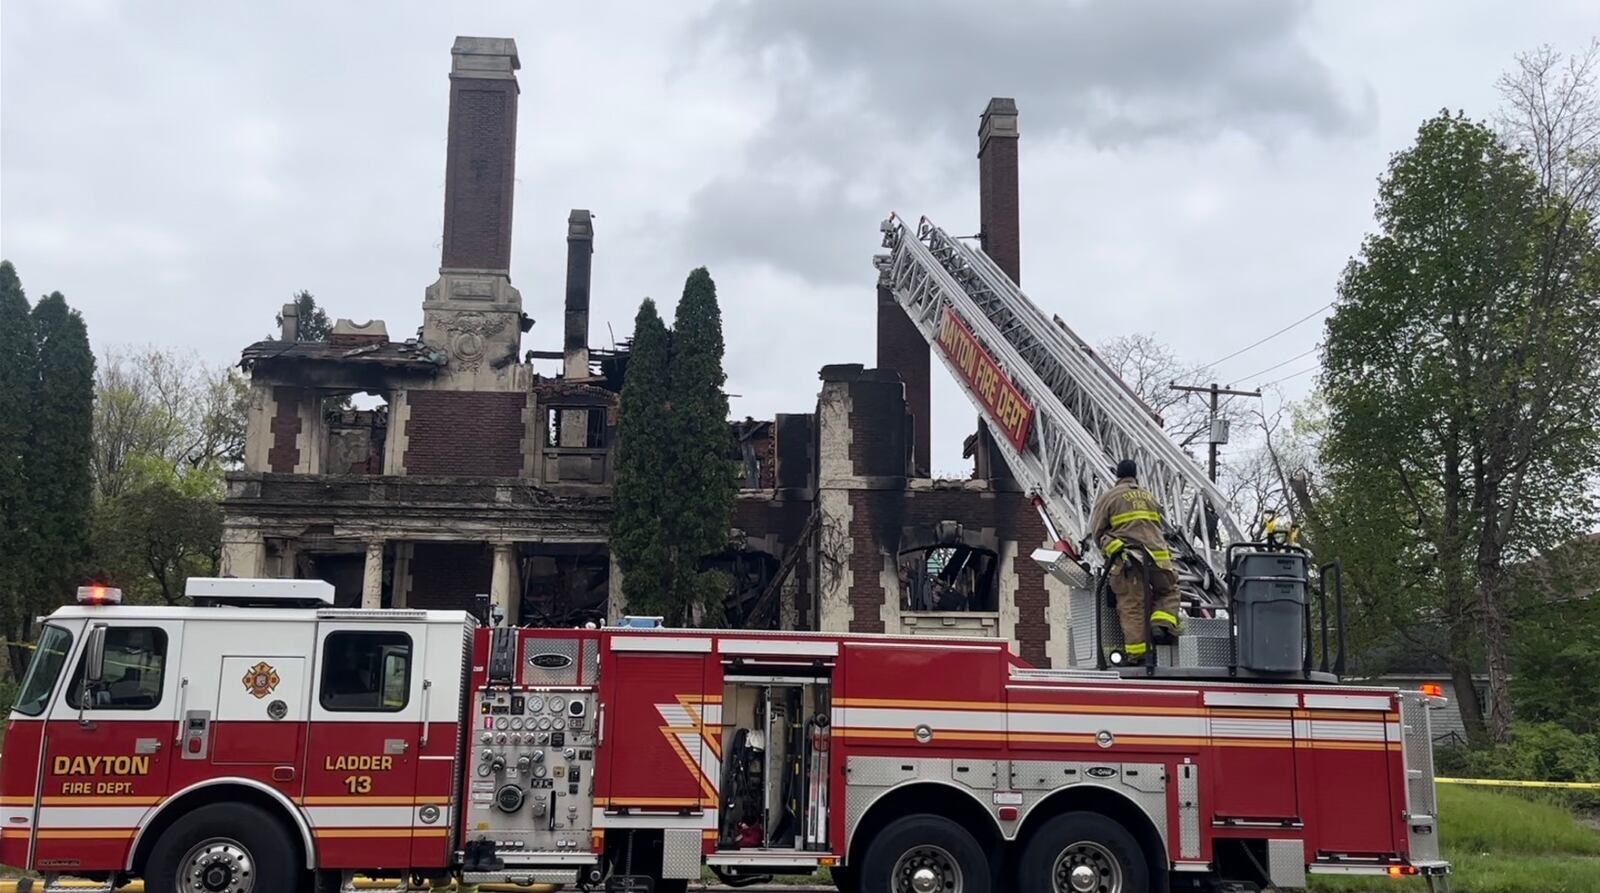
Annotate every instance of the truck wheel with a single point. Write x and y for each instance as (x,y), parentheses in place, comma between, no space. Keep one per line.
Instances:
(844,879)
(225,848)
(924,854)
(1083,852)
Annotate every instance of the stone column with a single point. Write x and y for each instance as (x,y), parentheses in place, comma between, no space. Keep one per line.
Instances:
(372,576)
(400,589)
(505,595)
(616,601)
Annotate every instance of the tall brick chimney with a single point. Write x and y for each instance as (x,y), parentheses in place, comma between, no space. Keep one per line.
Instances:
(472,313)
(901,349)
(999,226)
(1000,234)
(480,163)
(580,255)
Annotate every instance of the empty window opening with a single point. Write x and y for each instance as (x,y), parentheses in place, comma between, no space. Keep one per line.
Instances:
(575,427)
(948,577)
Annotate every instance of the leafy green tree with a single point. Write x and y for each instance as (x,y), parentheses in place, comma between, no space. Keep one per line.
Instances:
(1557,644)
(163,528)
(162,402)
(57,463)
(1462,375)
(703,510)
(314,324)
(19,380)
(645,469)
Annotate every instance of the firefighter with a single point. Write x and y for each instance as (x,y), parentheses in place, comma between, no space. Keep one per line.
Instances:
(1127,526)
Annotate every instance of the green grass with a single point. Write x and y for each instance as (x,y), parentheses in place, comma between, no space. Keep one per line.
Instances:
(1500,842)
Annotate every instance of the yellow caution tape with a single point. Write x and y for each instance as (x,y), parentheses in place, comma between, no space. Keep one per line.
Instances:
(1506,783)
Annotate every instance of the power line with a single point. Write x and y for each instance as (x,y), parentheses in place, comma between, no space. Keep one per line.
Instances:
(1272,336)
(1292,375)
(1255,375)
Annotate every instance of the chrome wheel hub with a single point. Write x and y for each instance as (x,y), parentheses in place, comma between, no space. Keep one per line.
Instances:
(218,865)
(927,869)
(1087,867)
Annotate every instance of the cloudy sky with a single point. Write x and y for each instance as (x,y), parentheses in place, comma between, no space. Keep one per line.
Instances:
(1200,171)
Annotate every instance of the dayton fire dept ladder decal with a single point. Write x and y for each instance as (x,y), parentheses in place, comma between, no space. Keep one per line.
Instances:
(693,728)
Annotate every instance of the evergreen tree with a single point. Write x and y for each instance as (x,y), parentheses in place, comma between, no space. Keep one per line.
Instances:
(314,324)
(19,377)
(644,468)
(702,510)
(59,455)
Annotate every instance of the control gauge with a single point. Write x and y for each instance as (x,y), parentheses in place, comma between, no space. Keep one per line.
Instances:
(561,725)
(544,723)
(485,769)
(535,703)
(500,723)
(516,723)
(557,704)
(539,771)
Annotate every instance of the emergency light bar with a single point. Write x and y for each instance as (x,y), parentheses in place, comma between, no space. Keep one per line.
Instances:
(99,595)
(259,592)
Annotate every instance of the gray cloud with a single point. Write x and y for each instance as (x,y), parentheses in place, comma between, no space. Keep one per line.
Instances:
(875,103)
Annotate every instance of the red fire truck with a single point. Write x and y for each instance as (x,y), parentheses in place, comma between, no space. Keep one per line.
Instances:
(264,741)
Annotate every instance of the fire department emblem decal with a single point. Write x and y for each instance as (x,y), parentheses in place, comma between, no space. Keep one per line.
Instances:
(261,679)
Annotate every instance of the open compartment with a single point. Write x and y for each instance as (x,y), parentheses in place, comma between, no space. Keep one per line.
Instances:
(775,737)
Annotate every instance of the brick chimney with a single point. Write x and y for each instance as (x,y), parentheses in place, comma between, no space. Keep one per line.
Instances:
(580,255)
(999,226)
(480,163)
(472,313)
(902,349)
(1000,234)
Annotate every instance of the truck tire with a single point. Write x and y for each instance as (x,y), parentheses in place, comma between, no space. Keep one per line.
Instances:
(924,854)
(844,879)
(225,848)
(1083,852)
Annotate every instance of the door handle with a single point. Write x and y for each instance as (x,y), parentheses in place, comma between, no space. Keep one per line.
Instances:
(427,688)
(183,702)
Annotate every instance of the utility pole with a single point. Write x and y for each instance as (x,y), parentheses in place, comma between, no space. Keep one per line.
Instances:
(1215,437)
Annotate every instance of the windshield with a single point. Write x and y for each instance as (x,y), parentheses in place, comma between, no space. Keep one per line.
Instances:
(43,671)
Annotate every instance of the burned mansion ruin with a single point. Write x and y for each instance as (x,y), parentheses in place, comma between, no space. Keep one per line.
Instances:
(475,474)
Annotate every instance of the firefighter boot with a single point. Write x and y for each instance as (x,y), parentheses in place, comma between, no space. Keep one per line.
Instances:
(1164,606)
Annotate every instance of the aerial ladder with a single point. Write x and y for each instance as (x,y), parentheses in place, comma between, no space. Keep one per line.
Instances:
(1079,417)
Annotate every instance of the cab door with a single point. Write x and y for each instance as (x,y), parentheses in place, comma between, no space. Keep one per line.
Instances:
(362,751)
(107,747)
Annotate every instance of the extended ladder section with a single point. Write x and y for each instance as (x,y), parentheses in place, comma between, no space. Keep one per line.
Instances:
(1061,417)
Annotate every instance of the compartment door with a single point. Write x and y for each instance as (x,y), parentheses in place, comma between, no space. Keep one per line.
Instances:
(663,762)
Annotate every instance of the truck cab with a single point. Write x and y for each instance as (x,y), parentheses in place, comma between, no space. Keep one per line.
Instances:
(245,741)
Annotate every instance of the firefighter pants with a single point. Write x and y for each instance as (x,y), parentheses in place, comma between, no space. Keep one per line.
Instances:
(1127,582)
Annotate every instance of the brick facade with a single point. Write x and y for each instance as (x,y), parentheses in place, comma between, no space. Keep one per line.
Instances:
(284,454)
(449,575)
(475,433)
(878,428)
(480,170)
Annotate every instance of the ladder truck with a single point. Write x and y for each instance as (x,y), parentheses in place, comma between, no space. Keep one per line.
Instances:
(263,740)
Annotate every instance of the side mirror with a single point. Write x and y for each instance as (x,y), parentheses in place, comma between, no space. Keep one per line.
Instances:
(94,656)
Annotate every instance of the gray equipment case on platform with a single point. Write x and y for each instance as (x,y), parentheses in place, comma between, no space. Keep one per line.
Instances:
(1269,591)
